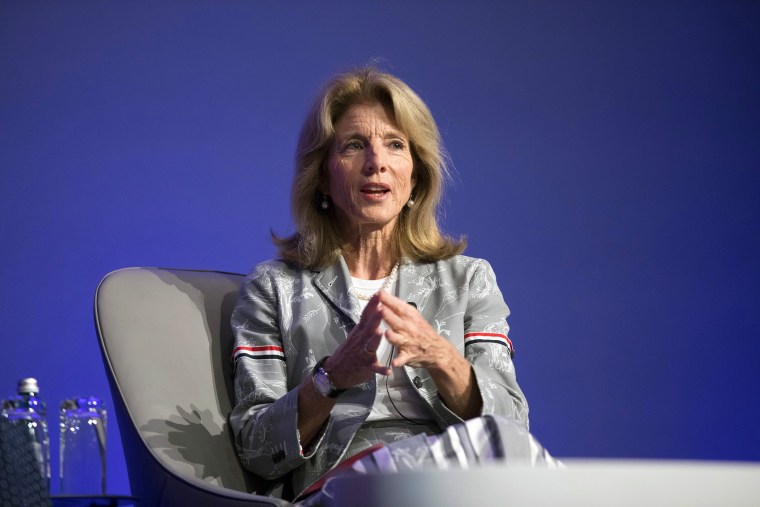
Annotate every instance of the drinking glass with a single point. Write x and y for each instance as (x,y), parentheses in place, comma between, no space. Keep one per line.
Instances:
(83,446)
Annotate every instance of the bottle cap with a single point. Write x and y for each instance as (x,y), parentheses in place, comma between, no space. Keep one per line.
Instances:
(28,386)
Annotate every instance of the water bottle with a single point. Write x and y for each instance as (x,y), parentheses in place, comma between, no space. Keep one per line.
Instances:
(83,446)
(28,411)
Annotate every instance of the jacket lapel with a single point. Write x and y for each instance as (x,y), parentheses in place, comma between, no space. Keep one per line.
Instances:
(415,283)
(334,283)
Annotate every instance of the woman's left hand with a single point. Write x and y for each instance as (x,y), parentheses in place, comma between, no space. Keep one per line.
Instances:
(417,344)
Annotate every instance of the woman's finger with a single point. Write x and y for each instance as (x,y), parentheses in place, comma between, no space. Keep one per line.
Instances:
(368,325)
(394,302)
(370,315)
(381,369)
(397,314)
(401,324)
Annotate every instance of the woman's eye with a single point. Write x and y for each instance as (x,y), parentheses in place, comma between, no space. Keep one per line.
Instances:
(397,145)
(352,145)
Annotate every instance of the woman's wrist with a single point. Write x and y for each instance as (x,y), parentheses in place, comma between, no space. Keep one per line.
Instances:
(457,385)
(449,363)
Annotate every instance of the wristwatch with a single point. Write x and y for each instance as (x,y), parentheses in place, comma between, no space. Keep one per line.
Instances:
(322,382)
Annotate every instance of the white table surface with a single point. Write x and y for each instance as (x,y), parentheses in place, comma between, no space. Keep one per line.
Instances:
(583,483)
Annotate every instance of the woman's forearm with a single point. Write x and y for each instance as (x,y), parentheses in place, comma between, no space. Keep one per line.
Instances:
(458,387)
(313,410)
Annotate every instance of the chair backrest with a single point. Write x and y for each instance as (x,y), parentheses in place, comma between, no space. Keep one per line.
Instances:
(167,344)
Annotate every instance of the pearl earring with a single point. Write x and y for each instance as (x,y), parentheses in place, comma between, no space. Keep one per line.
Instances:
(324,204)
(410,203)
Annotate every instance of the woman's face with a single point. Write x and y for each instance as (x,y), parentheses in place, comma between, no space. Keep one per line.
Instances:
(370,170)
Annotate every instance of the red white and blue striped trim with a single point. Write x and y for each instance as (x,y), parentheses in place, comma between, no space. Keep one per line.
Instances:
(260,352)
(501,339)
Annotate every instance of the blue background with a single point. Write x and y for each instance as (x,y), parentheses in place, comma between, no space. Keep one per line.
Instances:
(607,158)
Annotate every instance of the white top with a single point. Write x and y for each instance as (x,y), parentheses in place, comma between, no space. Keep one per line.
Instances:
(395,397)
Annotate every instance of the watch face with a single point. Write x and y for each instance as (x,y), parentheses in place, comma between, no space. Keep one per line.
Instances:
(322,382)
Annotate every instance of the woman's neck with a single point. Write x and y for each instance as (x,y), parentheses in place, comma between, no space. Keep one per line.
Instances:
(370,258)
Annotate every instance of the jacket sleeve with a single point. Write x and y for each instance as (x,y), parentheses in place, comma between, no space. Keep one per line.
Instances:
(488,348)
(264,420)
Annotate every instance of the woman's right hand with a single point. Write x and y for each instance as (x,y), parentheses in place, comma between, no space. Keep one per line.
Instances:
(355,360)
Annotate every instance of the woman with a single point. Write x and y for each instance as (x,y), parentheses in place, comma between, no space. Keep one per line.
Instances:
(371,328)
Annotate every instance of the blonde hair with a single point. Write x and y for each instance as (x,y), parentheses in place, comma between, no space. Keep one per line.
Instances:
(317,241)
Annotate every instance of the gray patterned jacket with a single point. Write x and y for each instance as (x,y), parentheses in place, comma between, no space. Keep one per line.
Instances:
(286,319)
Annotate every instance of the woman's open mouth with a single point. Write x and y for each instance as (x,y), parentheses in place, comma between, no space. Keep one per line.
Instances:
(375,191)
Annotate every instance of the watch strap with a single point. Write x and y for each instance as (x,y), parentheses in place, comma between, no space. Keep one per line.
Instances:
(319,370)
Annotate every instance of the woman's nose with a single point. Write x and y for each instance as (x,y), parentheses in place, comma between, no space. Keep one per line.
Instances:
(374,160)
